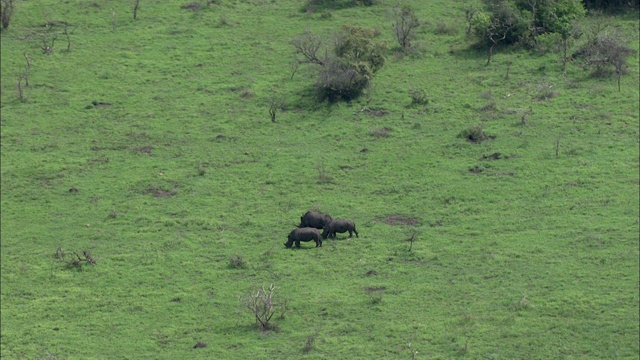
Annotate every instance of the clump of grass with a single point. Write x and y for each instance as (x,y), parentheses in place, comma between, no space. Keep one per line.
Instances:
(237,262)
(522,304)
(444,28)
(486,95)
(545,91)
(375,293)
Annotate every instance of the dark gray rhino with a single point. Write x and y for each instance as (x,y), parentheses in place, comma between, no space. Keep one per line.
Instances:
(339,226)
(314,219)
(303,234)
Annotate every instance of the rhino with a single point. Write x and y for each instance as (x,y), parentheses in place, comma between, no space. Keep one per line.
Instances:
(339,226)
(303,234)
(314,219)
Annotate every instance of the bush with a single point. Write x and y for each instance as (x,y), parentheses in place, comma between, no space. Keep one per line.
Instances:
(473,134)
(346,72)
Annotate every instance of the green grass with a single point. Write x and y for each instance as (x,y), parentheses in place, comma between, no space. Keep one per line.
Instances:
(532,253)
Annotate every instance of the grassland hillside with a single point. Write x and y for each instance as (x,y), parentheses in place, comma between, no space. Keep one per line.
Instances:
(148,144)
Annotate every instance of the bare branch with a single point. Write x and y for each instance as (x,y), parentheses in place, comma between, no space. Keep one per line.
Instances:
(308,44)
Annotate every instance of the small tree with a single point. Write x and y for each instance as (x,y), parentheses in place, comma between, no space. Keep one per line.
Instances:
(136,6)
(405,26)
(6,12)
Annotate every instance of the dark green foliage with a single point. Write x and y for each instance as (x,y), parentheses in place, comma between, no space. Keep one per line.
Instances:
(611,4)
(521,21)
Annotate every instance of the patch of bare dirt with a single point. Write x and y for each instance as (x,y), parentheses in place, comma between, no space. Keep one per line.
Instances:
(161,193)
(383,132)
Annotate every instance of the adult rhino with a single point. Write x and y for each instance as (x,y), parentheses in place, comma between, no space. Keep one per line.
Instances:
(303,234)
(339,226)
(314,219)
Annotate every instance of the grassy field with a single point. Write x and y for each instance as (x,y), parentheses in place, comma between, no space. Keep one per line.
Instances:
(148,143)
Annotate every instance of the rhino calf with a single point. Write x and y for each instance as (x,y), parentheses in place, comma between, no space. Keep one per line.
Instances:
(304,234)
(339,226)
(314,219)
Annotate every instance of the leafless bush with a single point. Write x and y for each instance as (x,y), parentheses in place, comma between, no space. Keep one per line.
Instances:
(260,303)
(308,44)
(605,52)
(76,261)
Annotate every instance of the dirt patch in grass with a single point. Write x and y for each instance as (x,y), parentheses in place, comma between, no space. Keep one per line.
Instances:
(377,113)
(161,193)
(191,6)
(99,105)
(383,132)
(495,156)
(399,219)
(476,170)
(142,149)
